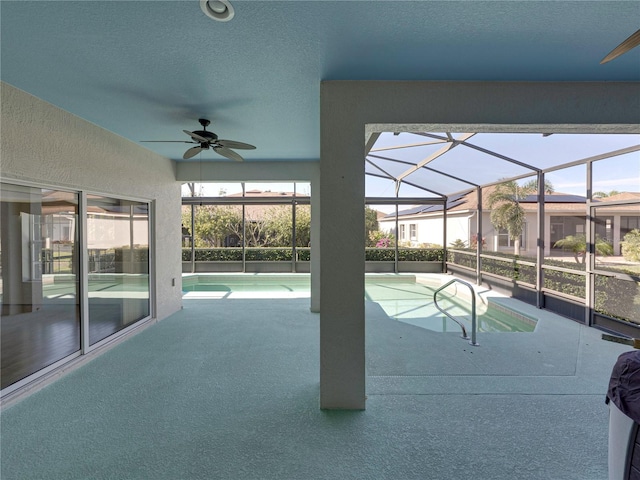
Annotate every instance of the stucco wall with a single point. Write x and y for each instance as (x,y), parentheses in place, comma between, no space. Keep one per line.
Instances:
(46,145)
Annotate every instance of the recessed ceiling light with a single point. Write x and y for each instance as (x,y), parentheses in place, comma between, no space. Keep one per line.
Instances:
(220,10)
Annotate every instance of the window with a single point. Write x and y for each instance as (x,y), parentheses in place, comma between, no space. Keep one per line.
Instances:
(402,232)
(505,241)
(413,231)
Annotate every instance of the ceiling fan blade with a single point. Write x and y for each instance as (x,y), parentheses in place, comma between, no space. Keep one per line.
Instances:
(225,152)
(192,152)
(165,141)
(631,42)
(196,137)
(232,144)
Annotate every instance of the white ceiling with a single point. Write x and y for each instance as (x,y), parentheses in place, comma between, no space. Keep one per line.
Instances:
(146,70)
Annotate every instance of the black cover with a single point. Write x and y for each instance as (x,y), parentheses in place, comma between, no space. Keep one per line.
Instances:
(624,385)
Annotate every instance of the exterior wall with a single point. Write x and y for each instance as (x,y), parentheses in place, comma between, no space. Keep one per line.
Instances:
(462,226)
(45,145)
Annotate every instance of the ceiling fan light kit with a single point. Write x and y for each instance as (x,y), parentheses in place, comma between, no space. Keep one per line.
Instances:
(219,10)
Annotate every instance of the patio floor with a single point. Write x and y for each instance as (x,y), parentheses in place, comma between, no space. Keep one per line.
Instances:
(229,389)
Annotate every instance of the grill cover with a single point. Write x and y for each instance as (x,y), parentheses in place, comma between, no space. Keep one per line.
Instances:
(624,385)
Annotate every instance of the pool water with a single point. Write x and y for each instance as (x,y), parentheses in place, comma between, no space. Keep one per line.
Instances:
(402,298)
(413,303)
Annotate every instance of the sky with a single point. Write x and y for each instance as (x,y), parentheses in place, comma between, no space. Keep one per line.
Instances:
(620,173)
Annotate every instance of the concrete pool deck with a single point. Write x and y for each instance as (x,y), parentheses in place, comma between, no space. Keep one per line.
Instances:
(228,389)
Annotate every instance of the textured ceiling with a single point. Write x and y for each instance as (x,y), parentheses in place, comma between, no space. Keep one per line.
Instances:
(147,70)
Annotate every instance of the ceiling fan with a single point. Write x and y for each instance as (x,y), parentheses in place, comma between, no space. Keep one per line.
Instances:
(631,42)
(206,140)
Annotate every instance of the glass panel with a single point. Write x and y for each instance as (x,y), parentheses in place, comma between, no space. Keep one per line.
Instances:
(40,320)
(618,238)
(118,253)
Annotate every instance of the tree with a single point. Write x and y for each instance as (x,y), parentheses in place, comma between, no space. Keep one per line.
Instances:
(605,194)
(213,223)
(371,226)
(278,226)
(578,245)
(506,211)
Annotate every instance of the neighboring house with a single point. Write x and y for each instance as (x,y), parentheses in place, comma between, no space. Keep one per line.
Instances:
(564,215)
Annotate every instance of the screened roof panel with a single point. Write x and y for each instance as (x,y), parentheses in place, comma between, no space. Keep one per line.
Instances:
(413,154)
(459,161)
(436,182)
(394,169)
(477,167)
(407,190)
(556,149)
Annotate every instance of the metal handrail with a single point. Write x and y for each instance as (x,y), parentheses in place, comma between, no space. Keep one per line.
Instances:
(474,328)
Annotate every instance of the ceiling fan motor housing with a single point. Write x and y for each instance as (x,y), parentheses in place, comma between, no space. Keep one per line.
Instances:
(206,134)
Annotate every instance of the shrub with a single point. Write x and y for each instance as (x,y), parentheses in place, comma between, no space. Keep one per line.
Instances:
(631,246)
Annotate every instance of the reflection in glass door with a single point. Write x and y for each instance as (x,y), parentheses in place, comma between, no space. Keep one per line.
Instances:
(118,260)
(40,320)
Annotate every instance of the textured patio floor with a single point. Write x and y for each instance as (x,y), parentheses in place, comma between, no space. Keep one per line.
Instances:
(229,389)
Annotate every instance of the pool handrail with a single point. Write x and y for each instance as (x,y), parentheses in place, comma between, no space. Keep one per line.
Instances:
(474,328)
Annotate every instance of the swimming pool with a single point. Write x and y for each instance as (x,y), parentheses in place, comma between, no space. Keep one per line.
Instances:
(406,298)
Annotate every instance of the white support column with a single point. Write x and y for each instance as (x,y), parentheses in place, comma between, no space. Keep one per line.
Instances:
(347,108)
(342,355)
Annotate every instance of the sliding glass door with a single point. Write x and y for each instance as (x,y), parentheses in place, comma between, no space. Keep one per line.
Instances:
(118,257)
(40,320)
(51,310)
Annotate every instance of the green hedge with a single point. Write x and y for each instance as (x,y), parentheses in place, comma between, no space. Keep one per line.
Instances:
(404,254)
(268,254)
(304,254)
(421,254)
(213,254)
(618,298)
(462,259)
(614,297)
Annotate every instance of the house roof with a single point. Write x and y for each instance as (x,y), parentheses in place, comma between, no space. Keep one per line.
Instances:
(554,202)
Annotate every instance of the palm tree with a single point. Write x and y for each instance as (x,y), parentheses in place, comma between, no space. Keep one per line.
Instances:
(578,245)
(506,212)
